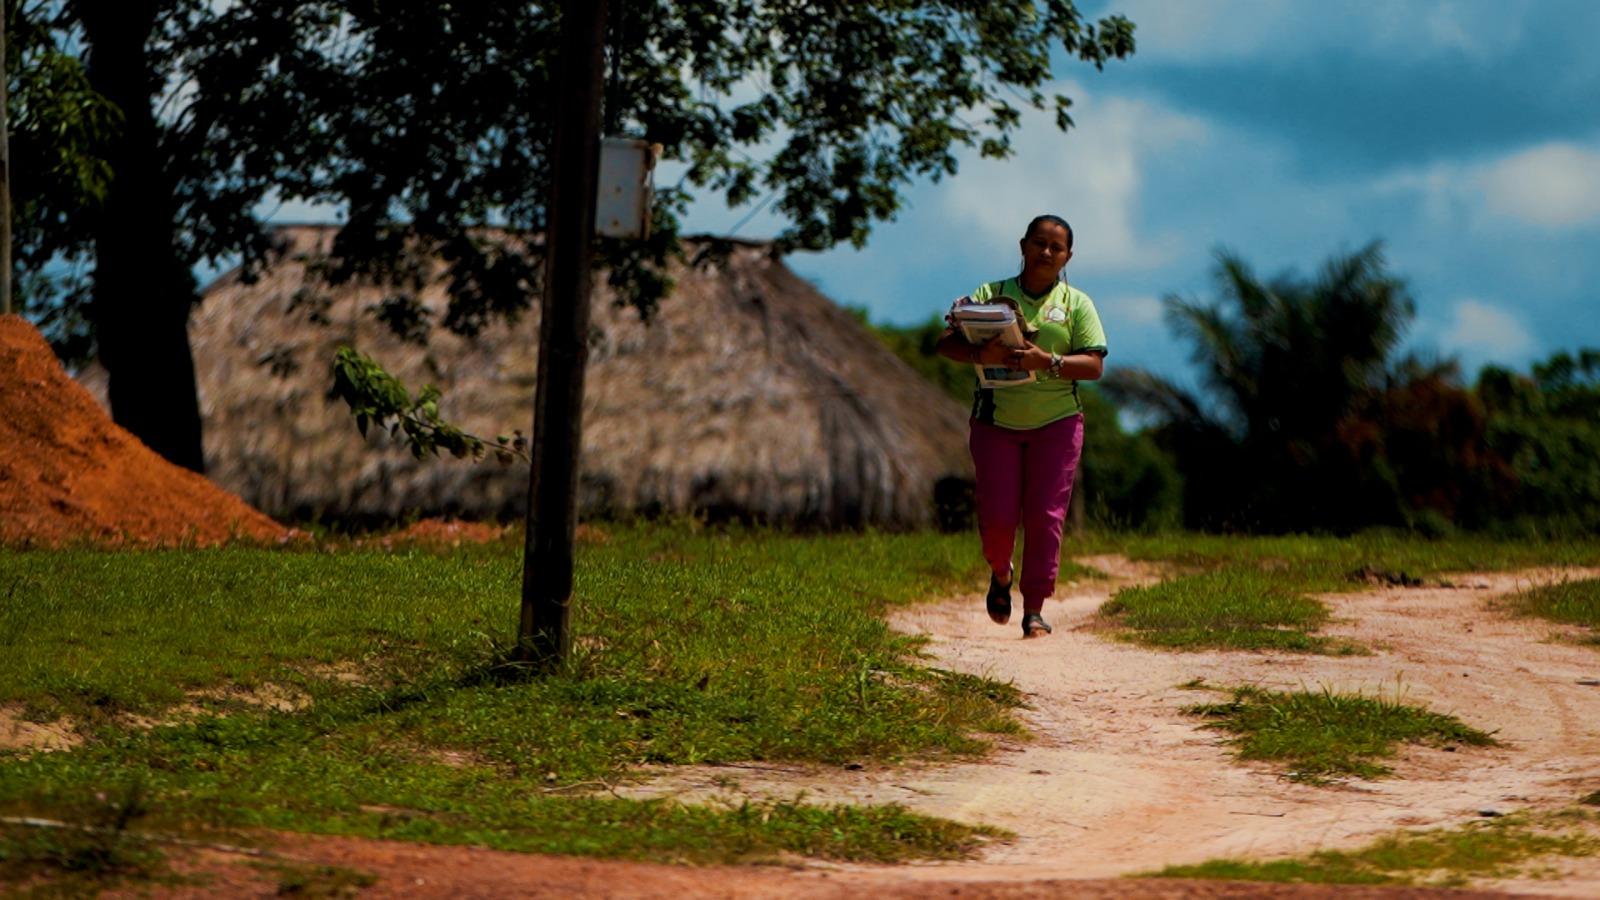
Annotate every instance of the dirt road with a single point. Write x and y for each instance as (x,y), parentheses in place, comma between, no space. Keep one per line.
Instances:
(1119,780)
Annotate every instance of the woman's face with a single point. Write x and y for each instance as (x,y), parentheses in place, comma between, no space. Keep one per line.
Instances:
(1044,252)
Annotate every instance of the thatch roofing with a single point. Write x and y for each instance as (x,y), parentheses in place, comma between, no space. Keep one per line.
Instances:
(748,394)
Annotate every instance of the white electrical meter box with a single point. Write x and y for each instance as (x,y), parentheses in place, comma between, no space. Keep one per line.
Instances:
(623,193)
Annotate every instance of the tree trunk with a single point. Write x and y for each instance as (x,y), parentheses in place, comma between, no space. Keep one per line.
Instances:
(542,634)
(5,178)
(143,290)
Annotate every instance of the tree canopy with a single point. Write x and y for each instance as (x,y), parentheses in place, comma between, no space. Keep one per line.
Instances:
(427,125)
(1308,417)
(58,127)
(1546,426)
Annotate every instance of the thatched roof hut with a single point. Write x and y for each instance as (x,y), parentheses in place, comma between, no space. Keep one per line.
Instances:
(748,394)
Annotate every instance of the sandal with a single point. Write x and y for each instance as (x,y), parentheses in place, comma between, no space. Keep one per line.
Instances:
(998,601)
(1034,625)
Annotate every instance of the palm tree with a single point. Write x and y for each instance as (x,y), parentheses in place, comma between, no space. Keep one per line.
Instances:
(1286,369)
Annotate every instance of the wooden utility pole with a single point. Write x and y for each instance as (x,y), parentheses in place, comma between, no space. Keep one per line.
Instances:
(563,337)
(5,178)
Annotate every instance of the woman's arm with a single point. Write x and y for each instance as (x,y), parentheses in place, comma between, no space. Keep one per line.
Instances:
(953,346)
(1082,366)
(1087,366)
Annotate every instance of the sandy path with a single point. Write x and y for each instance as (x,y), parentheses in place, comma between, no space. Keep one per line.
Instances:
(1119,780)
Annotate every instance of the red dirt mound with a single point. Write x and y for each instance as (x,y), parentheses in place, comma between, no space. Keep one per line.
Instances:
(438,533)
(445,533)
(69,475)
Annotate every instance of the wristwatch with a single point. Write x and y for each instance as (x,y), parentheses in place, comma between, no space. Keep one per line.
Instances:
(1055,364)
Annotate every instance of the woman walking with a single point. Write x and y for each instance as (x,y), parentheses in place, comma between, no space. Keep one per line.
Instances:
(1026,438)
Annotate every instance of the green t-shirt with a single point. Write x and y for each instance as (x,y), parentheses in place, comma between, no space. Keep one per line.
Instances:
(1066,322)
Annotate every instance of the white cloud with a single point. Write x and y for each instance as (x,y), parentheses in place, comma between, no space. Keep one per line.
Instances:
(1202,31)
(1443,27)
(1138,311)
(1549,186)
(1480,329)
(1092,176)
(1234,30)
(1553,185)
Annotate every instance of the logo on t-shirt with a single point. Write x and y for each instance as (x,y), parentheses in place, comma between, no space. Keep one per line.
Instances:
(1056,314)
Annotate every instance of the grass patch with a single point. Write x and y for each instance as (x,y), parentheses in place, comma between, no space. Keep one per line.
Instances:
(1569,602)
(691,647)
(1312,564)
(1445,858)
(1251,592)
(1320,735)
(1071,571)
(318,881)
(1232,608)
(98,852)
(36,862)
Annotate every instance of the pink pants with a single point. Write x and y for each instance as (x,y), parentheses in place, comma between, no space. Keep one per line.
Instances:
(1025,477)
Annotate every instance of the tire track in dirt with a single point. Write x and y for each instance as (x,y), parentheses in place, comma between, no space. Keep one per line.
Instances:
(1118,779)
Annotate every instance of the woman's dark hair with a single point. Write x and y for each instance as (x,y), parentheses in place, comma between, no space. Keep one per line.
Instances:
(1057,220)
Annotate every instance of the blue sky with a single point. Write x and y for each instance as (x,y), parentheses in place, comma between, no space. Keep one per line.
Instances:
(1465,135)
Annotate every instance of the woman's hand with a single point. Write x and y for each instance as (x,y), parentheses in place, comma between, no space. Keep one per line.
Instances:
(1029,357)
(992,353)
